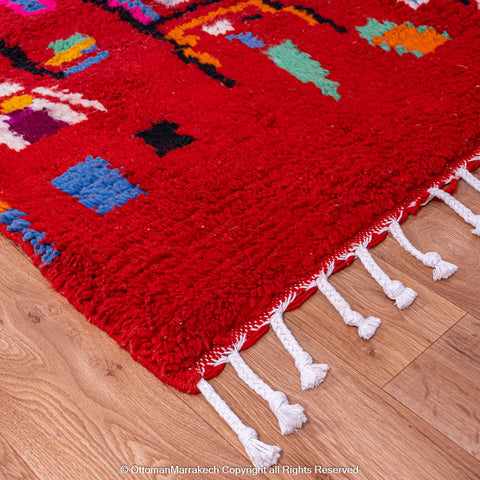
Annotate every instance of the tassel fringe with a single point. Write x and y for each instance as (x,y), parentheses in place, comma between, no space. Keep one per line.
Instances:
(459,208)
(311,374)
(441,268)
(394,289)
(261,454)
(366,326)
(290,417)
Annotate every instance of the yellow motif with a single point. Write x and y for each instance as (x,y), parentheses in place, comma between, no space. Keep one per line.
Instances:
(17,102)
(4,206)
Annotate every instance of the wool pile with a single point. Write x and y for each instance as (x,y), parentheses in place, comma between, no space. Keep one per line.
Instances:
(179,169)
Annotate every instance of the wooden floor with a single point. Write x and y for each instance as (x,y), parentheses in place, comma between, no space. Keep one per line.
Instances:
(404,405)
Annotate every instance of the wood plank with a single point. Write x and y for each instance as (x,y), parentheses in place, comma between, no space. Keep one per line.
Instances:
(76,405)
(403,335)
(437,228)
(12,466)
(443,385)
(351,421)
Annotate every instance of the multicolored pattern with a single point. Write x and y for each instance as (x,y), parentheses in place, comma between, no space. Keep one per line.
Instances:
(29,7)
(139,11)
(186,42)
(403,38)
(185,166)
(27,118)
(75,47)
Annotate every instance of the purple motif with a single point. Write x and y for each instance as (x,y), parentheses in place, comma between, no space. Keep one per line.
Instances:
(32,125)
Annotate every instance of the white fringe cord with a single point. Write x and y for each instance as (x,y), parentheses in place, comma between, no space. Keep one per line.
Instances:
(290,417)
(311,374)
(261,454)
(441,268)
(366,326)
(459,208)
(394,289)
(473,181)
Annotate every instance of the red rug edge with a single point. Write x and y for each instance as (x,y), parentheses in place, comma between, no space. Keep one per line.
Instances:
(210,364)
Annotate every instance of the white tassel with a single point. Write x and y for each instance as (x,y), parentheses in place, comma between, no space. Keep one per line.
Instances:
(261,454)
(311,374)
(394,289)
(441,268)
(366,326)
(290,417)
(459,208)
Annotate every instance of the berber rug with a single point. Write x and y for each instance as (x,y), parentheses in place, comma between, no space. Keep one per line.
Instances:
(184,172)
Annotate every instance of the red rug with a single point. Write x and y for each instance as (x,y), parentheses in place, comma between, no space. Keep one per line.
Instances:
(184,172)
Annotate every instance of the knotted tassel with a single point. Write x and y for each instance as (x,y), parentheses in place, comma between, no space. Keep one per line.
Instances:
(394,289)
(311,374)
(290,417)
(459,208)
(366,326)
(261,454)
(441,268)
